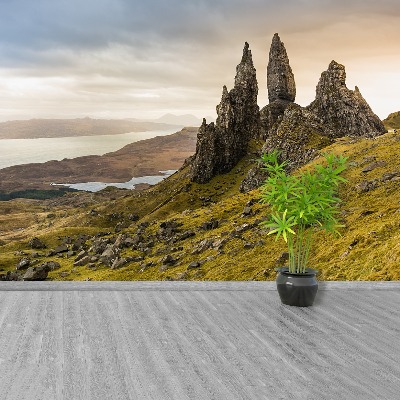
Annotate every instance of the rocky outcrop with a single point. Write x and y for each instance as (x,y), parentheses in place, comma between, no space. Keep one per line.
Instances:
(220,146)
(343,111)
(300,132)
(281,86)
(298,136)
(280,78)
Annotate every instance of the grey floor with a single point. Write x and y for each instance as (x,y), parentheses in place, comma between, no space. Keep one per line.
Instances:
(200,340)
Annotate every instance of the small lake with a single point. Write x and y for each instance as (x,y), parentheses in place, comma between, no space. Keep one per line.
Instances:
(96,186)
(26,151)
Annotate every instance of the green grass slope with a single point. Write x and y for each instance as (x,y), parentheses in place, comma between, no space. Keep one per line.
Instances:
(392,121)
(234,248)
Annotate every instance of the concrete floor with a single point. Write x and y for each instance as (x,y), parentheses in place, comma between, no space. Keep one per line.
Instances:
(197,340)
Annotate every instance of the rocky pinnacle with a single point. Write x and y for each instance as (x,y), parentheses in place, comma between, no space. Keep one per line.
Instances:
(343,111)
(220,146)
(280,78)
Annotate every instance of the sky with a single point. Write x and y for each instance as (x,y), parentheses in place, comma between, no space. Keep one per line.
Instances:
(142,59)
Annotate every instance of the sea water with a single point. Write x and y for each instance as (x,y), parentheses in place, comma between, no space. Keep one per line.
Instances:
(26,151)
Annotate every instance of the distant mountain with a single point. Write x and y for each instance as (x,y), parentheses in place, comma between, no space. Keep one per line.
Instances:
(392,121)
(184,120)
(49,128)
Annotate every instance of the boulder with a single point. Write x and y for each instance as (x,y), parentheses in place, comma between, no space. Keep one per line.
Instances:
(52,265)
(82,261)
(81,255)
(24,263)
(168,260)
(109,255)
(36,243)
(38,273)
(118,263)
(209,225)
(193,265)
(62,248)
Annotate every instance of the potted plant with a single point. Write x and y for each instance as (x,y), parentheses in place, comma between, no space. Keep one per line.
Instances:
(299,205)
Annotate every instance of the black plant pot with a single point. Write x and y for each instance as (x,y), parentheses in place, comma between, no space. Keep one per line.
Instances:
(297,289)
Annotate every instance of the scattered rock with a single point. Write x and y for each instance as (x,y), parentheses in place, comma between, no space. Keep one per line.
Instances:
(366,186)
(79,243)
(184,235)
(168,260)
(11,276)
(82,261)
(198,274)
(109,255)
(36,243)
(219,243)
(81,255)
(145,266)
(202,246)
(24,263)
(135,259)
(193,265)
(133,217)
(182,276)
(118,263)
(388,176)
(38,273)
(247,211)
(64,274)
(209,225)
(374,165)
(99,245)
(243,228)
(62,248)
(52,265)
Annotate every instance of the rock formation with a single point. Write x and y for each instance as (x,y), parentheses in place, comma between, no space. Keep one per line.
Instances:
(342,110)
(296,131)
(280,78)
(298,135)
(220,146)
(280,83)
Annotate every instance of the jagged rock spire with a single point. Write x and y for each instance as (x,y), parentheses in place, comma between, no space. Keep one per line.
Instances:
(280,78)
(343,111)
(221,146)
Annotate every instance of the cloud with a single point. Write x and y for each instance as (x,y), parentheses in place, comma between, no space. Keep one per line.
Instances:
(175,54)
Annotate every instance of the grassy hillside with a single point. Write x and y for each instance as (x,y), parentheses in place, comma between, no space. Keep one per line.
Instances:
(392,121)
(171,233)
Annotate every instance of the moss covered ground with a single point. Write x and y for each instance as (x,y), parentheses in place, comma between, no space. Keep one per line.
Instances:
(368,248)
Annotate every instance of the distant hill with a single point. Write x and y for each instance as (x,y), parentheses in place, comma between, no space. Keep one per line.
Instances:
(184,120)
(145,157)
(392,121)
(49,128)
